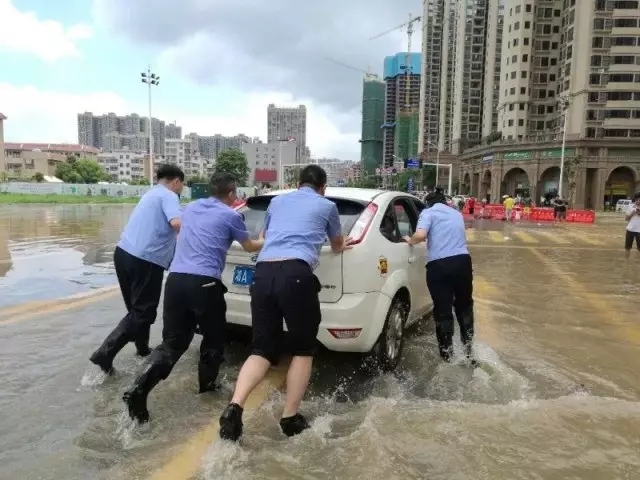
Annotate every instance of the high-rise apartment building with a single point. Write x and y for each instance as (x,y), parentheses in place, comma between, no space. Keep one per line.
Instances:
(584,54)
(111,132)
(437,74)
(211,146)
(401,108)
(285,123)
(459,95)
(570,69)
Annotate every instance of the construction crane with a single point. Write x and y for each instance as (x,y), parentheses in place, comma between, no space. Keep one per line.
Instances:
(407,64)
(407,123)
(367,73)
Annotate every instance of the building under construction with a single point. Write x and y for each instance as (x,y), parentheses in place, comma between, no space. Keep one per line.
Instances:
(402,104)
(373,109)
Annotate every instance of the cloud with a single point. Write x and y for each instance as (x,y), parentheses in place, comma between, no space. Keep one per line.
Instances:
(24,32)
(36,115)
(276,46)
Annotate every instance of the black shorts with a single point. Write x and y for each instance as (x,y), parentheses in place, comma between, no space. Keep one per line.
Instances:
(286,290)
(629,238)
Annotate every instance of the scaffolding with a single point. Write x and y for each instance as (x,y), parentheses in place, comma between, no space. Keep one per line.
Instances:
(407,132)
(373,99)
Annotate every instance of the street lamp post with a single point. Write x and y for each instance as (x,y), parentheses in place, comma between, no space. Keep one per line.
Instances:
(565,102)
(151,79)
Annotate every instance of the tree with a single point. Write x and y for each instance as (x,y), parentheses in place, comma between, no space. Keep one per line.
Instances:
(38,177)
(570,172)
(196,179)
(292,175)
(141,181)
(235,163)
(81,171)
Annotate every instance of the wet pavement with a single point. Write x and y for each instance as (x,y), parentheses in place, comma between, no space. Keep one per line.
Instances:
(556,397)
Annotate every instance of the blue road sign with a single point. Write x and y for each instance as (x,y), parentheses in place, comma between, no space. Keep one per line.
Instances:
(410,184)
(413,163)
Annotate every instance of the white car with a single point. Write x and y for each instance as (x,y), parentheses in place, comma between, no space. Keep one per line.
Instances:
(622,205)
(371,293)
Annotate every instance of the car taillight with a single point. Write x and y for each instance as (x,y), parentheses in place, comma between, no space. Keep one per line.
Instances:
(361,227)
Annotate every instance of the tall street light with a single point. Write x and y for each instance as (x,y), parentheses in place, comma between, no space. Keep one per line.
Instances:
(151,79)
(564,102)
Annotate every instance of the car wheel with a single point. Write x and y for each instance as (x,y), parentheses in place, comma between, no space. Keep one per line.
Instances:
(388,349)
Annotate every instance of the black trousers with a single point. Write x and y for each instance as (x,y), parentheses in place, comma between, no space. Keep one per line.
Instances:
(141,285)
(450,283)
(629,237)
(286,290)
(190,302)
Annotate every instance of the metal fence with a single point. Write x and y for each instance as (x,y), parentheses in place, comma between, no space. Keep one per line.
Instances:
(79,189)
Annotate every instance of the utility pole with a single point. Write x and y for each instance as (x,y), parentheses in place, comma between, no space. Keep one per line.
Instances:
(151,79)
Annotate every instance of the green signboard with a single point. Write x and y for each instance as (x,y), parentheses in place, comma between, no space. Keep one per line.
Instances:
(517,156)
(556,153)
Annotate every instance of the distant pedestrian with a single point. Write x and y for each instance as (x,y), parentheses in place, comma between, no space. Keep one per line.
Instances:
(143,253)
(508,204)
(559,209)
(449,274)
(297,224)
(633,226)
(528,202)
(472,205)
(194,292)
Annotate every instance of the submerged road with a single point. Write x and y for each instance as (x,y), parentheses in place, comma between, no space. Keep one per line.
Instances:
(557,396)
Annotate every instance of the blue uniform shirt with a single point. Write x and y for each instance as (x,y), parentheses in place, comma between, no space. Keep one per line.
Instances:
(445,232)
(148,234)
(297,225)
(208,229)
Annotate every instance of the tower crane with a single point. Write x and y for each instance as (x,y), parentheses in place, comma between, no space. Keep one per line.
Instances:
(367,73)
(407,64)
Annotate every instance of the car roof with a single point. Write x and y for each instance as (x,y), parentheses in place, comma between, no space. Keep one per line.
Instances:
(361,194)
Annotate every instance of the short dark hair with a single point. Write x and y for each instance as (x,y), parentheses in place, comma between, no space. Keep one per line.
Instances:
(314,176)
(170,172)
(636,196)
(435,197)
(222,184)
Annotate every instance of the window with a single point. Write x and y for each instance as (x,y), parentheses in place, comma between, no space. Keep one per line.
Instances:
(256,208)
(527,8)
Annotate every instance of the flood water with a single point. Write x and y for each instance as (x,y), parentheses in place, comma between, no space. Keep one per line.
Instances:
(557,395)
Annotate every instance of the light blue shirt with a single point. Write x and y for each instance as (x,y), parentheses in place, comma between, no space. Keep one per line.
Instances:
(446,235)
(208,229)
(297,225)
(148,234)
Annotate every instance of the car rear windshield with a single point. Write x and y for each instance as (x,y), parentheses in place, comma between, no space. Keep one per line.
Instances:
(256,208)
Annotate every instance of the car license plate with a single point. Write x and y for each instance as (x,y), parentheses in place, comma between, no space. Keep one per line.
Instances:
(243,276)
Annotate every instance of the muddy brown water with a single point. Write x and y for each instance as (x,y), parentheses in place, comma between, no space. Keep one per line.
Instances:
(557,395)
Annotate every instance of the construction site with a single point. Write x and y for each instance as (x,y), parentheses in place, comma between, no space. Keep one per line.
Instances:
(371,140)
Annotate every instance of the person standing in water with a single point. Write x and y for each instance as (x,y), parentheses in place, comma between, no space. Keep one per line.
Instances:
(144,252)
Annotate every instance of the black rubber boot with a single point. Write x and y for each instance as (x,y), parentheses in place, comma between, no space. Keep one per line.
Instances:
(136,397)
(103,356)
(444,334)
(231,422)
(207,376)
(208,370)
(466,324)
(294,425)
(142,341)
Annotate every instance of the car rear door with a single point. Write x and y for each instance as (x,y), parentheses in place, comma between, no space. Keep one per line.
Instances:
(239,270)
